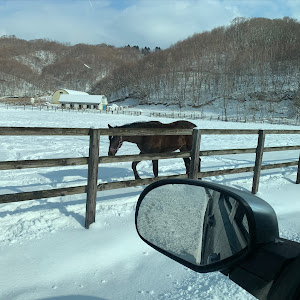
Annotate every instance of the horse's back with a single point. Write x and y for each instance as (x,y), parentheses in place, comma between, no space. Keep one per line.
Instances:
(182,124)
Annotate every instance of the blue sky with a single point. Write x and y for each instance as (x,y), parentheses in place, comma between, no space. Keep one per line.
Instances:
(148,23)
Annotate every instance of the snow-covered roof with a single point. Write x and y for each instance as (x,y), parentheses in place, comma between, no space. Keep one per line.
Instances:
(84,99)
(72,92)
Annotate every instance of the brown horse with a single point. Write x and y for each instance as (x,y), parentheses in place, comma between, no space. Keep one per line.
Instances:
(154,144)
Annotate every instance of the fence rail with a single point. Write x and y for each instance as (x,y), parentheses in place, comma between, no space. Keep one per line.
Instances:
(94,160)
(132,131)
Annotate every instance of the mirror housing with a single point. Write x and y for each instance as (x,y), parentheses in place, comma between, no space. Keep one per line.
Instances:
(154,224)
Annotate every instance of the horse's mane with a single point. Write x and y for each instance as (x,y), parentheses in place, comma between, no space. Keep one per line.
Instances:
(157,124)
(150,124)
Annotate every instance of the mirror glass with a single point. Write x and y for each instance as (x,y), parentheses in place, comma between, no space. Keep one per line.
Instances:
(196,224)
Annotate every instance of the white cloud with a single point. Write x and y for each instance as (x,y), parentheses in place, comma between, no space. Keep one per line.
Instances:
(136,22)
(161,23)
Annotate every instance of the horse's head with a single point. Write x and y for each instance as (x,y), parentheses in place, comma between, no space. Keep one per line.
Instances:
(115,143)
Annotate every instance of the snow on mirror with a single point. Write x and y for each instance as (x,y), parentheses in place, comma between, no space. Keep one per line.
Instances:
(196,224)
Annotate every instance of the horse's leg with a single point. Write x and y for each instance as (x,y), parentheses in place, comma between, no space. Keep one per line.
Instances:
(155,167)
(134,164)
(187,160)
(187,163)
(199,166)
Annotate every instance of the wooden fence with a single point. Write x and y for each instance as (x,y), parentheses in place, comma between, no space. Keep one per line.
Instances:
(93,160)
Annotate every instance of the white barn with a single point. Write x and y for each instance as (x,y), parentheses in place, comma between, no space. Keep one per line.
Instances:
(83,101)
(56,95)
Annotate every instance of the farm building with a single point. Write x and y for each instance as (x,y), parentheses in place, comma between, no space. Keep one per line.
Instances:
(58,93)
(83,101)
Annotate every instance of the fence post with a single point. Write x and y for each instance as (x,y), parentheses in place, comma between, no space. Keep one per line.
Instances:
(195,154)
(258,160)
(298,172)
(93,163)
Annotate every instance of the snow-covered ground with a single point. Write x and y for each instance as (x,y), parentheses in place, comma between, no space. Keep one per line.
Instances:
(46,253)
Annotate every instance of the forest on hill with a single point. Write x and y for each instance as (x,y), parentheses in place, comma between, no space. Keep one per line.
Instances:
(39,67)
(251,60)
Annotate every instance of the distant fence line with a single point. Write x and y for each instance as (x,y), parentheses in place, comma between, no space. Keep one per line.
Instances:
(240,119)
(94,160)
(117,111)
(171,115)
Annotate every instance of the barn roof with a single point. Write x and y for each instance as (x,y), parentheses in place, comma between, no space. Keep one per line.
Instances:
(72,92)
(83,99)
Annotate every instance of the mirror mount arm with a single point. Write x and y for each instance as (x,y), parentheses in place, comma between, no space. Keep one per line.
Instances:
(259,273)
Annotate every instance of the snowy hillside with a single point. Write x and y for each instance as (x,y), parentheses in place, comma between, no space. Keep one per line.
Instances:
(39,67)
(46,253)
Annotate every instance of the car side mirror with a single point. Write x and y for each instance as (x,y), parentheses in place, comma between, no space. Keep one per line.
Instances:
(204,226)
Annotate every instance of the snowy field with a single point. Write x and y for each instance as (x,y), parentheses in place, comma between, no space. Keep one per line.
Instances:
(46,253)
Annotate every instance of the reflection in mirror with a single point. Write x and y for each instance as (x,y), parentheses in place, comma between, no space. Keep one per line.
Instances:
(225,228)
(196,224)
